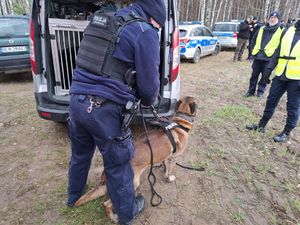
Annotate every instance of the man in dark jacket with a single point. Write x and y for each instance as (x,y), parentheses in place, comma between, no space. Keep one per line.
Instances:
(97,103)
(254,27)
(287,79)
(243,36)
(264,44)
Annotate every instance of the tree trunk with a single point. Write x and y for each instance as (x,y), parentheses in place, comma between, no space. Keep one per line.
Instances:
(203,11)
(285,9)
(187,10)
(229,10)
(213,13)
(209,12)
(266,8)
(224,10)
(219,10)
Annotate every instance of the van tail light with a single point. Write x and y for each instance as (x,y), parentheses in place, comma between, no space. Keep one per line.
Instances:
(235,35)
(176,55)
(32,50)
(184,40)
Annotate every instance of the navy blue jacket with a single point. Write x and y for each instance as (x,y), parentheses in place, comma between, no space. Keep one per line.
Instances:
(138,46)
(267,36)
(244,30)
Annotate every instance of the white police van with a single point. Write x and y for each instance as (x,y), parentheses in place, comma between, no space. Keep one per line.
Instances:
(196,40)
(56,30)
(227,33)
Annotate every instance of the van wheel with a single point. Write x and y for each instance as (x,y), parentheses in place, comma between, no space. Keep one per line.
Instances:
(197,55)
(217,50)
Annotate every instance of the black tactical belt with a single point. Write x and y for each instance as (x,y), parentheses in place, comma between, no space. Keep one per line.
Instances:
(287,57)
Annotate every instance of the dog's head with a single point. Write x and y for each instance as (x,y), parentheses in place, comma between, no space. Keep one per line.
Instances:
(187,105)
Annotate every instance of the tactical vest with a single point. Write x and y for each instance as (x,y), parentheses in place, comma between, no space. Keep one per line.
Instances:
(271,47)
(289,59)
(95,53)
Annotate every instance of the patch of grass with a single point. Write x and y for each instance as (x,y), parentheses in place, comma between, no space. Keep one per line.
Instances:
(274,220)
(213,173)
(209,122)
(262,168)
(238,113)
(236,169)
(275,183)
(295,204)
(282,152)
(200,164)
(42,207)
(266,151)
(249,177)
(288,187)
(91,213)
(239,217)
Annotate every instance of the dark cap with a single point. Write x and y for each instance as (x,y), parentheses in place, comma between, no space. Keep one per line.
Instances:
(155,9)
(275,13)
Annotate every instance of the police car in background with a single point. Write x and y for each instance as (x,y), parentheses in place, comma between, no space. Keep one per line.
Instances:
(227,33)
(196,40)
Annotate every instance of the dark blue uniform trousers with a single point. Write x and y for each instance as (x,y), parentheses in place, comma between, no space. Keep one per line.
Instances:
(102,128)
(258,67)
(278,88)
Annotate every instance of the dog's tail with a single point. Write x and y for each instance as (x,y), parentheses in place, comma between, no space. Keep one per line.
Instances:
(97,192)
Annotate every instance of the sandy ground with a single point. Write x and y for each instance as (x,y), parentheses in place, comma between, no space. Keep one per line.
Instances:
(248,179)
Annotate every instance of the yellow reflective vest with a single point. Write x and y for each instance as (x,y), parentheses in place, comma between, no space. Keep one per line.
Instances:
(289,59)
(273,44)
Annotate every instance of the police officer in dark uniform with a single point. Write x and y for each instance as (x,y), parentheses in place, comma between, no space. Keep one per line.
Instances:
(254,27)
(263,45)
(287,79)
(100,91)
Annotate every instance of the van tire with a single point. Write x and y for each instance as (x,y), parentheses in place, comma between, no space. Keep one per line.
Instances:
(196,56)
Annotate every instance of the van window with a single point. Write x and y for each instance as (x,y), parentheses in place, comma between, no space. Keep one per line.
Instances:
(14,27)
(226,27)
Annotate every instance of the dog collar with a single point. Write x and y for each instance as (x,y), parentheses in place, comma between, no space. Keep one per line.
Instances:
(185,117)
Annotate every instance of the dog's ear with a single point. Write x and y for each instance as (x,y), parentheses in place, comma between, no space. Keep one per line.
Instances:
(178,104)
(193,108)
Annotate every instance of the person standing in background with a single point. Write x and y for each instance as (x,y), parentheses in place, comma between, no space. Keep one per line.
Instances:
(254,27)
(243,36)
(287,79)
(264,44)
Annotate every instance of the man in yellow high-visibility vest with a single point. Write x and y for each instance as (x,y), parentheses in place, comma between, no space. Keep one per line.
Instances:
(287,79)
(263,45)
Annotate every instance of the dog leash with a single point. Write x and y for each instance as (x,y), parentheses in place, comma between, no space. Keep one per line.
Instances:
(191,168)
(151,176)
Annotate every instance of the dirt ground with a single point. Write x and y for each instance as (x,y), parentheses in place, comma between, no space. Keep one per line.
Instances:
(248,179)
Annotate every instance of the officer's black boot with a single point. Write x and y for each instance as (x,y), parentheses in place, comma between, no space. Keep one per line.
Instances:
(260,127)
(140,204)
(284,135)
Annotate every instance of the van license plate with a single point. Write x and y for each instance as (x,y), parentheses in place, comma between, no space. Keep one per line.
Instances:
(13,49)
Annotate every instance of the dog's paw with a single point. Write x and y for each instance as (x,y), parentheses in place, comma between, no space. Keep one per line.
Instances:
(114,218)
(171,178)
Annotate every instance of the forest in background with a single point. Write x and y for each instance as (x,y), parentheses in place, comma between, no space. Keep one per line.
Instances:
(210,11)
(207,11)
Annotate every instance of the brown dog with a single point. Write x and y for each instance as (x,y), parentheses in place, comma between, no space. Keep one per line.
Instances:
(162,152)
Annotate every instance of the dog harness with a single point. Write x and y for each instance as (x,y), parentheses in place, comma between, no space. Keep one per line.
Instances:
(168,126)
